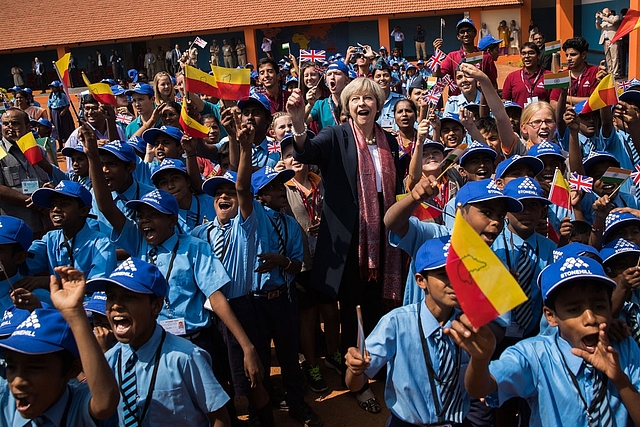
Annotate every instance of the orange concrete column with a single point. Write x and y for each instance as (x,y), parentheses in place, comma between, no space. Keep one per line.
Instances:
(564,20)
(250,42)
(477,20)
(634,45)
(525,17)
(383,34)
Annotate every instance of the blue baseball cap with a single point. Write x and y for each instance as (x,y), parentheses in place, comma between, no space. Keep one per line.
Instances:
(256,98)
(420,62)
(69,151)
(338,66)
(453,117)
(265,175)
(160,200)
(97,303)
(596,157)
(475,148)
(433,254)
(485,190)
(487,41)
(571,269)
(616,220)
(546,148)
(42,121)
(290,79)
(211,185)
(120,149)
(28,90)
(150,135)
(12,317)
(15,230)
(110,82)
(632,96)
(14,89)
(43,331)
(465,22)
(118,90)
(142,89)
(534,163)
(618,247)
(133,75)
(429,143)
(55,83)
(138,144)
(575,249)
(525,188)
(511,104)
(42,196)
(134,275)
(169,164)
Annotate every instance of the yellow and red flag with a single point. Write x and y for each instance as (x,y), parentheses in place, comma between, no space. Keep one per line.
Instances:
(424,211)
(484,287)
(630,22)
(191,126)
(198,81)
(62,65)
(101,92)
(559,194)
(30,148)
(604,95)
(233,83)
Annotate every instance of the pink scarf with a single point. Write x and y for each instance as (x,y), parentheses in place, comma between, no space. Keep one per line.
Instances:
(370,221)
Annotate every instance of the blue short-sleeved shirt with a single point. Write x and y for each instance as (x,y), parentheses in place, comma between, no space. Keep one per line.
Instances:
(195,275)
(418,233)
(58,175)
(597,142)
(387,118)
(260,156)
(200,211)
(455,102)
(396,342)
(135,192)
(93,253)
(268,243)
(185,390)
(534,370)
(240,250)
(57,100)
(5,293)
(324,112)
(143,170)
(622,200)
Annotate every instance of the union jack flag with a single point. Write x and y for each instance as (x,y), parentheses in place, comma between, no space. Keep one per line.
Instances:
(449,82)
(432,96)
(624,85)
(580,182)
(312,55)
(436,59)
(636,175)
(123,118)
(273,147)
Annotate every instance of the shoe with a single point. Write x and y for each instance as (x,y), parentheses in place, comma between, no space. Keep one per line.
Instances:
(335,362)
(305,415)
(368,401)
(278,400)
(314,379)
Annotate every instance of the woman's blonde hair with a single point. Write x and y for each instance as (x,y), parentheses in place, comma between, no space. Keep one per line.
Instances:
(156,80)
(362,85)
(531,109)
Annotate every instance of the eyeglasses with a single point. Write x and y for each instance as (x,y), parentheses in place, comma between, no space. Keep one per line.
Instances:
(466,30)
(528,53)
(537,123)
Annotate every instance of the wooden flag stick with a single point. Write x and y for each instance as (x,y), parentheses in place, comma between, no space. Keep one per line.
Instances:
(445,171)
(66,91)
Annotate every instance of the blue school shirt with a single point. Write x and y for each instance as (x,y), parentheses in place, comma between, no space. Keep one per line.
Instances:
(597,142)
(418,233)
(621,200)
(534,370)
(619,144)
(57,100)
(143,170)
(200,211)
(195,276)
(395,341)
(268,243)
(386,114)
(240,250)
(58,175)
(5,293)
(260,156)
(135,192)
(185,390)
(93,253)
(76,396)
(455,102)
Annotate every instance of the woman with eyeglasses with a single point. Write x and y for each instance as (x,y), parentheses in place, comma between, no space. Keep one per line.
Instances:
(526,85)
(538,123)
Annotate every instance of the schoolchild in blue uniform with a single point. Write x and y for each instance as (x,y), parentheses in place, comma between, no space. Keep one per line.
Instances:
(143,170)
(517,166)
(115,163)
(72,243)
(15,239)
(232,235)
(163,379)
(256,111)
(195,209)
(571,376)
(274,299)
(423,365)
(622,223)
(45,352)
(484,207)
(79,163)
(165,142)
(193,273)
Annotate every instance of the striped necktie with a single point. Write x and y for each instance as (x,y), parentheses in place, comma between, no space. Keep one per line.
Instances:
(220,243)
(523,314)
(129,393)
(279,226)
(450,394)
(632,312)
(600,415)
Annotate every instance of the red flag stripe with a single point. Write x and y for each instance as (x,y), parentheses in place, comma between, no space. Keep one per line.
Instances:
(197,86)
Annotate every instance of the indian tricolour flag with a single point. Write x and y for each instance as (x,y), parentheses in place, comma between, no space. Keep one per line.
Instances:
(615,175)
(474,58)
(557,80)
(552,47)
(431,82)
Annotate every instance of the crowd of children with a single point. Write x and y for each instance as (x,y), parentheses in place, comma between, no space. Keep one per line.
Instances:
(146,282)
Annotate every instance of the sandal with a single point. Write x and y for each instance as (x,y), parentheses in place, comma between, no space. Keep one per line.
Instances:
(371,404)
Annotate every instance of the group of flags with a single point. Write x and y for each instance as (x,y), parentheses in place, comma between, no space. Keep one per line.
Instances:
(436,87)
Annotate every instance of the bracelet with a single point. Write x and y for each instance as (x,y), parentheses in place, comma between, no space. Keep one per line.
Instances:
(304,132)
(288,265)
